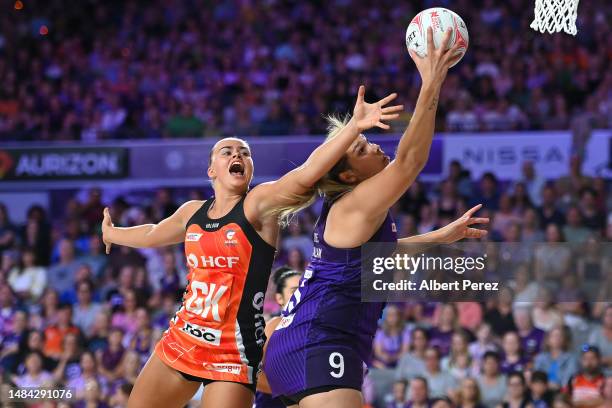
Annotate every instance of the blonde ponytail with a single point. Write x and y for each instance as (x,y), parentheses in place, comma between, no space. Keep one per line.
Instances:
(328,186)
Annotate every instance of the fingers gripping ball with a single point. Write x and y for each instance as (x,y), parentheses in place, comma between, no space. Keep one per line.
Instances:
(440,20)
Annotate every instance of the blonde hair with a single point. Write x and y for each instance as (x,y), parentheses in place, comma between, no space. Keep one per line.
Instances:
(328,186)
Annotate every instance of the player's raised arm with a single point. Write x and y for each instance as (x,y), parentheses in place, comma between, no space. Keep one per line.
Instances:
(167,232)
(455,231)
(288,189)
(368,197)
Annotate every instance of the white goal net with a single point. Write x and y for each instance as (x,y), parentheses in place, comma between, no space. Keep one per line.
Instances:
(555,15)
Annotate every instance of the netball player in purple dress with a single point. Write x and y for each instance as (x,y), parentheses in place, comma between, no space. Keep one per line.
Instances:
(316,355)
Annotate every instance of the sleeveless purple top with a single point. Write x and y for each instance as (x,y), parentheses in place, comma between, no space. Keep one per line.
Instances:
(328,300)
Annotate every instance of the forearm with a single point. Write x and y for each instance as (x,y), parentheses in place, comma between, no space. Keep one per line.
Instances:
(324,157)
(135,237)
(420,243)
(416,140)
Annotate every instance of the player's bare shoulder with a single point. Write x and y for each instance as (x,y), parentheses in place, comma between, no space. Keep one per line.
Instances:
(187,210)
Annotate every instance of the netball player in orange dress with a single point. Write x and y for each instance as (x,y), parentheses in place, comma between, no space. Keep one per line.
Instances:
(217,335)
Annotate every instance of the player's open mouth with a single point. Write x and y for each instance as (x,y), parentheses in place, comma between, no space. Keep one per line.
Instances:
(237,169)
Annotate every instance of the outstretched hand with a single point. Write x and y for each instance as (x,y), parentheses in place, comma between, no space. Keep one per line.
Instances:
(460,228)
(368,115)
(434,66)
(107,224)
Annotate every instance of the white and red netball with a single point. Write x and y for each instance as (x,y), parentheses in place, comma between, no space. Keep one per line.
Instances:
(439,19)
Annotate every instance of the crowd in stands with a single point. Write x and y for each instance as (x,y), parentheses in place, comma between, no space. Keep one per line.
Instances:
(71,315)
(174,68)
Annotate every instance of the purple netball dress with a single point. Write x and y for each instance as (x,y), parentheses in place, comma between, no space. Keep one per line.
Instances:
(326,333)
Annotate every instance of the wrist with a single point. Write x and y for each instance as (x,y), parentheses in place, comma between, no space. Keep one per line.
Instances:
(354,126)
(431,87)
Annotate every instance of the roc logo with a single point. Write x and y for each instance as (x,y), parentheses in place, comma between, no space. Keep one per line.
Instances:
(230,234)
(6,162)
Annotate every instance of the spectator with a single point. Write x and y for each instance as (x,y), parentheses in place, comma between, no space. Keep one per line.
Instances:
(95,258)
(517,392)
(33,340)
(93,396)
(513,359)
(441,334)
(592,264)
(121,396)
(552,259)
(541,397)
(28,279)
(34,376)
(548,212)
(184,124)
(469,394)
(488,194)
(525,287)
(88,371)
(533,182)
(585,387)
(85,311)
(419,393)
(55,334)
(569,186)
(458,363)
(506,215)
(557,361)
(440,383)
(499,313)
(601,337)
(391,340)
(7,229)
(170,283)
(545,314)
(592,217)
(61,275)
(297,239)
(100,331)
(573,230)
(68,367)
(296,260)
(397,399)
(125,318)
(491,382)
(532,338)
(484,342)
(111,357)
(412,363)
(9,344)
(530,232)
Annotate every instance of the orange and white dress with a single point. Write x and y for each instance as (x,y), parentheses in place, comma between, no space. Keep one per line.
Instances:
(218,332)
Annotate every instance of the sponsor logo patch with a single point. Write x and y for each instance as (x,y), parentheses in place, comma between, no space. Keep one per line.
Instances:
(223,367)
(230,234)
(203,334)
(193,237)
(285,321)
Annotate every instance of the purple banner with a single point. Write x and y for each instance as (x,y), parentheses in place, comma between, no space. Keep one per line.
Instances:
(273,157)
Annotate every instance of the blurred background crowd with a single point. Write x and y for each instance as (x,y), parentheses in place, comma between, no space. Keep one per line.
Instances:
(71,315)
(190,68)
(92,70)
